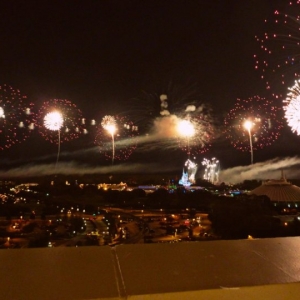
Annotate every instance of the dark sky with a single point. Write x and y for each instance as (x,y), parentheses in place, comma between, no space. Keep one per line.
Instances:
(101,54)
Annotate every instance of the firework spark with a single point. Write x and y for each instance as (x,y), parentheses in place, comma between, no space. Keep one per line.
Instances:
(292,107)
(115,137)
(278,57)
(16,117)
(212,169)
(264,117)
(191,169)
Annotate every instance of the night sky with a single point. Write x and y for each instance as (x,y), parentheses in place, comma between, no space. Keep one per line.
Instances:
(107,56)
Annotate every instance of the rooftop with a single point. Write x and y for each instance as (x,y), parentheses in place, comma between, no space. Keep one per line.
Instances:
(278,190)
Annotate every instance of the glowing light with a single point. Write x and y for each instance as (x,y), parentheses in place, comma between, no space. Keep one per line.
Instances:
(108,121)
(292,108)
(196,132)
(109,124)
(186,128)
(265,119)
(248,125)
(53,121)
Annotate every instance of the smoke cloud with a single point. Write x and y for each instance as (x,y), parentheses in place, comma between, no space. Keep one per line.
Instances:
(74,168)
(270,169)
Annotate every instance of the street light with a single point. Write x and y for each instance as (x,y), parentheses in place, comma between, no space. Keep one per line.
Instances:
(248,125)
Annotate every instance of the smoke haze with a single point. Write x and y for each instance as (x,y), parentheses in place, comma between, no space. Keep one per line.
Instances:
(271,169)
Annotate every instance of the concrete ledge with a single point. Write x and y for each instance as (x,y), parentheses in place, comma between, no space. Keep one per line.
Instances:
(274,292)
(240,269)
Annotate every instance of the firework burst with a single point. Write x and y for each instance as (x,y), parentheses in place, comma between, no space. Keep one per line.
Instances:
(166,99)
(212,168)
(292,108)
(16,117)
(115,137)
(63,116)
(198,131)
(278,58)
(53,121)
(265,120)
(109,123)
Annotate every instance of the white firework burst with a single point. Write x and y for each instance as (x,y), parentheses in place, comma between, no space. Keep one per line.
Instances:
(53,121)
(292,107)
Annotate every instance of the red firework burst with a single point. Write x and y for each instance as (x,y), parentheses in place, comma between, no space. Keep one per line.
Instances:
(72,122)
(265,118)
(278,57)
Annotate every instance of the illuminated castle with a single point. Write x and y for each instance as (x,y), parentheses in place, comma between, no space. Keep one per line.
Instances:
(188,177)
(185,179)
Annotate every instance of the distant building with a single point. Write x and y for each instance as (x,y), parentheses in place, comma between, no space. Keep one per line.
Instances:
(114,187)
(279,191)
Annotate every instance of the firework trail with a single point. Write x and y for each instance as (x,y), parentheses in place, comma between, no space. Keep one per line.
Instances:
(54,121)
(116,137)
